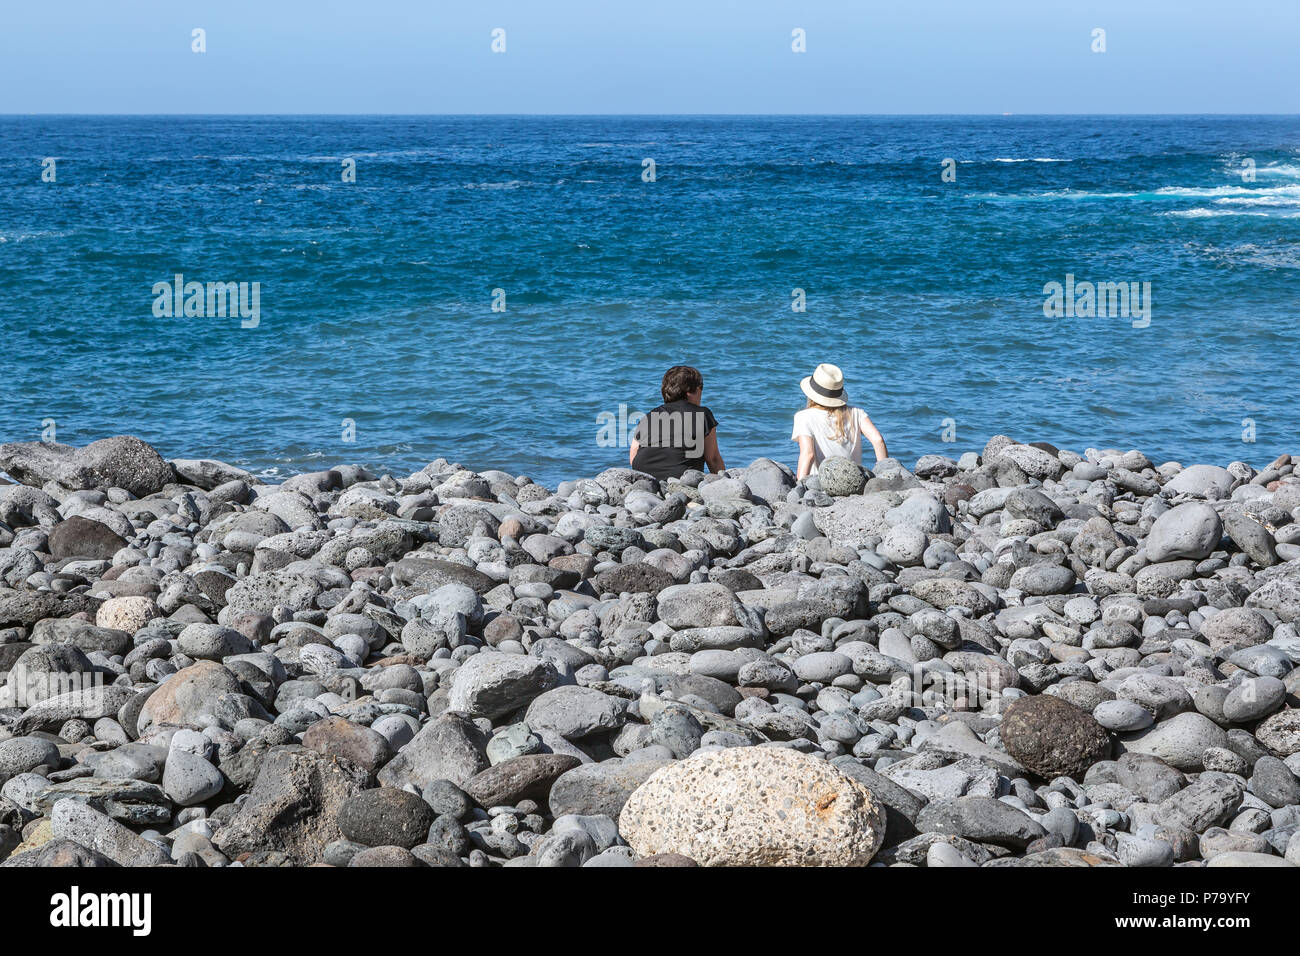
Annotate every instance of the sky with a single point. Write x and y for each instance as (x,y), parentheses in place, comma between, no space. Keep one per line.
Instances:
(665,56)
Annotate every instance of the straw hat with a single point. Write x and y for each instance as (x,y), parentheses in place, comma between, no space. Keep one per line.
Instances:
(825,386)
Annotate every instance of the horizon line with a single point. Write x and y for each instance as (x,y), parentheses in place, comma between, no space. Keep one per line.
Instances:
(809,115)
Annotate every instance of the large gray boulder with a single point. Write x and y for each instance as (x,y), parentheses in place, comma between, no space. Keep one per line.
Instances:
(188,695)
(980,820)
(293,806)
(1180,741)
(1200,481)
(1279,595)
(122,462)
(81,537)
(24,754)
(599,788)
(768,481)
(23,607)
(1243,626)
(701,605)
(432,573)
(1034,462)
(1188,531)
(527,776)
(839,477)
(855,519)
(213,642)
(82,824)
(449,747)
(266,590)
(1252,538)
(492,685)
(208,473)
(576,712)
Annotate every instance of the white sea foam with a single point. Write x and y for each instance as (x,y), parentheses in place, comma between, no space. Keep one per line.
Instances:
(1259,201)
(512,184)
(25,236)
(1279,169)
(1035,159)
(1286,257)
(1056,194)
(1201,191)
(1202,213)
(1264,195)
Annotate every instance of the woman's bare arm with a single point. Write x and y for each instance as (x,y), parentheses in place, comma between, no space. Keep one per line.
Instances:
(711,454)
(872,434)
(806,457)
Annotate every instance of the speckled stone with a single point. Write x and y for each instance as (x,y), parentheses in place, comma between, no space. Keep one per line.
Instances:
(754,806)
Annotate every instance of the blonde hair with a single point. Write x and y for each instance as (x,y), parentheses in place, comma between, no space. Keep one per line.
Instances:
(839,416)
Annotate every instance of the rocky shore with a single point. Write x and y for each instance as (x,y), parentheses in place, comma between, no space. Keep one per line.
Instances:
(1024,656)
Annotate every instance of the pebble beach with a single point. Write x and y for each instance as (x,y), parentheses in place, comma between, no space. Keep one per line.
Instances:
(1020,656)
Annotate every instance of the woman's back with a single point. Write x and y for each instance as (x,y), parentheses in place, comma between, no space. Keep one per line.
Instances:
(822,427)
(830,426)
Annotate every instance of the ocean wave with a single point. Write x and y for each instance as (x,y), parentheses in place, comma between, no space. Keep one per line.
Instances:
(1202,213)
(1279,169)
(1035,159)
(1196,192)
(1054,194)
(1234,193)
(1258,201)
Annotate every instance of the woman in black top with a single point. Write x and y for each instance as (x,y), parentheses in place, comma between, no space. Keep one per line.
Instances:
(680,434)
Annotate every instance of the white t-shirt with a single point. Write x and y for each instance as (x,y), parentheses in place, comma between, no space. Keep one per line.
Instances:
(817,425)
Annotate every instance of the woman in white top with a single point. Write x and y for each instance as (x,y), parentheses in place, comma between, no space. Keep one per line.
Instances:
(830,425)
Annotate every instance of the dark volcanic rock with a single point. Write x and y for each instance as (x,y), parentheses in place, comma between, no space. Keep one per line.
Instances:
(79,537)
(385,817)
(28,607)
(1052,737)
(637,577)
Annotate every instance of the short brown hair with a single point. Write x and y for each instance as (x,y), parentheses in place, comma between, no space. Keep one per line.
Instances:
(679,380)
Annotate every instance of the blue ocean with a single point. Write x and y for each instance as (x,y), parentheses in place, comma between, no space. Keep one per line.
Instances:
(507,291)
